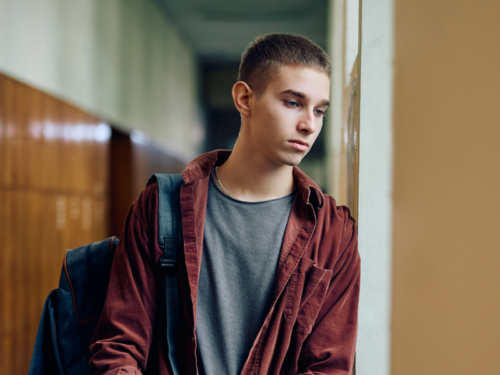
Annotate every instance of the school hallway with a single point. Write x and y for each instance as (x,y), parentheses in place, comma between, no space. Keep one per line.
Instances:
(97,96)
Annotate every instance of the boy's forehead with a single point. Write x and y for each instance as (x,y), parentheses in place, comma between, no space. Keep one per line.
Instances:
(304,77)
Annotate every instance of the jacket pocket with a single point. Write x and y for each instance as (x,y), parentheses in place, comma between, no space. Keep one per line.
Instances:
(305,294)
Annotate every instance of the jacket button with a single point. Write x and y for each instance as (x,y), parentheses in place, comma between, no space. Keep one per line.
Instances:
(288,260)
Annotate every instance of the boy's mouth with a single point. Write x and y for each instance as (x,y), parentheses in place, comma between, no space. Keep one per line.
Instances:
(299,145)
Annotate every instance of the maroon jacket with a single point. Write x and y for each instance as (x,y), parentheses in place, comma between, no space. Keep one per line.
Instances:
(311,326)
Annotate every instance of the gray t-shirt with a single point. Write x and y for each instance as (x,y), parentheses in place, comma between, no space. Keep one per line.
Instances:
(241,247)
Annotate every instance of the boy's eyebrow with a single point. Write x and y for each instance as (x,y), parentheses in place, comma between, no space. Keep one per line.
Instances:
(304,96)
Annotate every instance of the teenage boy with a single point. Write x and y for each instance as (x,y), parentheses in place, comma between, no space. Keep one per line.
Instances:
(269,274)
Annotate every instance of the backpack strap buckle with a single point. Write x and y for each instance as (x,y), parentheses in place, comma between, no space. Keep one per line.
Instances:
(167,265)
(169,258)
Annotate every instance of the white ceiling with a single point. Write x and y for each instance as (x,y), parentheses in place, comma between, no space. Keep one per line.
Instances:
(220,30)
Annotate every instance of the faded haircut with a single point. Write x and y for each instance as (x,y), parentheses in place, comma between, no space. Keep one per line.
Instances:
(266,53)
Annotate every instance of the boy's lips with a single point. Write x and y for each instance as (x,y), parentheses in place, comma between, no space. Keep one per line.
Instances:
(299,145)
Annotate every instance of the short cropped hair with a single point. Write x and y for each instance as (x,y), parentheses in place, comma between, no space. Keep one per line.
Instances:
(266,53)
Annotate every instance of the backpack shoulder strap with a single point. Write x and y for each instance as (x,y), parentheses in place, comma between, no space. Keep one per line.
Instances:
(170,241)
(169,215)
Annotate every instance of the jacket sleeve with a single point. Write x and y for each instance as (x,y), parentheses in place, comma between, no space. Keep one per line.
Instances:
(123,336)
(330,347)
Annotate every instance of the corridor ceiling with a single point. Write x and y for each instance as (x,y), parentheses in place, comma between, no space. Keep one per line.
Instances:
(220,30)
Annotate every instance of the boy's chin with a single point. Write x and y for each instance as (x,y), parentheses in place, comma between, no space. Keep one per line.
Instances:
(293,160)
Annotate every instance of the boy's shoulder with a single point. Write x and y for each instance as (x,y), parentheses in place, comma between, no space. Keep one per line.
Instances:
(336,221)
(145,206)
(336,235)
(337,218)
(339,212)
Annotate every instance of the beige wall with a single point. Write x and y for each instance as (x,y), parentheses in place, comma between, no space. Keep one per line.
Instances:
(446,229)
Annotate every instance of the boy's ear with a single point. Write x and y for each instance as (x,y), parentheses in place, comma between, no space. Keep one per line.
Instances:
(242,93)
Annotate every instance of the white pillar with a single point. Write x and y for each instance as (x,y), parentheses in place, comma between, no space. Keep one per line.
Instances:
(375,185)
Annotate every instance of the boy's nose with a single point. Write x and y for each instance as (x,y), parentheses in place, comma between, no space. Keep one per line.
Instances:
(307,123)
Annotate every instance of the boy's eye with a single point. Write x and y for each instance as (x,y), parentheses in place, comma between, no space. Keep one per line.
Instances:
(292,104)
(319,112)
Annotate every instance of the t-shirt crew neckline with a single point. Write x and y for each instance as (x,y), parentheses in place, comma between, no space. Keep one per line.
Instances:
(219,191)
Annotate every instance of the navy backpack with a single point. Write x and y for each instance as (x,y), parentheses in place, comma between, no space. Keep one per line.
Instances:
(71,312)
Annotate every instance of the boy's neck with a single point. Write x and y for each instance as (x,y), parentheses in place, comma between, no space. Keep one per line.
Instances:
(250,178)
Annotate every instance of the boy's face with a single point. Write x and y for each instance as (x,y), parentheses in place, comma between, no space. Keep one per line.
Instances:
(287,118)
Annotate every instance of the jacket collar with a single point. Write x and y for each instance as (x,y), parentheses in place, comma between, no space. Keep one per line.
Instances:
(201,166)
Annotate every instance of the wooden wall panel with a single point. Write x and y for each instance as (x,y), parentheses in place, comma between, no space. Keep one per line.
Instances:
(64,182)
(120,191)
(54,167)
(51,157)
(22,291)
(132,163)
(33,173)
(33,217)
(6,318)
